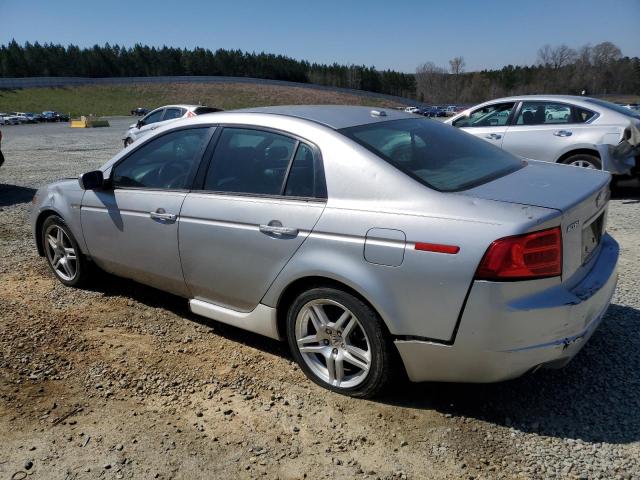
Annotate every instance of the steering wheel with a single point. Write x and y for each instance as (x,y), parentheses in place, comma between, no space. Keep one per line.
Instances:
(172,174)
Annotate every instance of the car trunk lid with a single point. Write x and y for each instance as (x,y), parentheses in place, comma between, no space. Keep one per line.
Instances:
(579,194)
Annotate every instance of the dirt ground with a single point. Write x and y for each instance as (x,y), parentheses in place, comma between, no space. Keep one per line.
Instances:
(122,381)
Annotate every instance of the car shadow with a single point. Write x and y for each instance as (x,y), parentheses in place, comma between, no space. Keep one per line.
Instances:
(595,398)
(14,194)
(627,190)
(113,286)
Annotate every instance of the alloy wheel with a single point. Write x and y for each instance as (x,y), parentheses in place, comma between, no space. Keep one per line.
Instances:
(333,343)
(60,253)
(583,163)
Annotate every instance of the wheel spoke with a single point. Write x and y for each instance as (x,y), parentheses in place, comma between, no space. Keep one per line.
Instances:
(308,339)
(312,349)
(52,241)
(70,253)
(357,357)
(59,237)
(349,328)
(318,317)
(335,369)
(66,267)
(346,315)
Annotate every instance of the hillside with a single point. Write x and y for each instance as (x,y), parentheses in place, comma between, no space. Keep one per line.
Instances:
(121,99)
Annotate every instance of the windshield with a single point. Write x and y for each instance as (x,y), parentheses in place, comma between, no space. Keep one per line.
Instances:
(618,108)
(434,154)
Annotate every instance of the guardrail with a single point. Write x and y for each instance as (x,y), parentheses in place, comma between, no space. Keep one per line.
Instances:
(44,82)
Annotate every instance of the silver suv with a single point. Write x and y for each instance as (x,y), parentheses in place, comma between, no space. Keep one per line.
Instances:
(581,131)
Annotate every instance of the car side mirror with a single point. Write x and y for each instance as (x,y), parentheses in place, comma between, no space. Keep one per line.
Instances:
(93,180)
(139,124)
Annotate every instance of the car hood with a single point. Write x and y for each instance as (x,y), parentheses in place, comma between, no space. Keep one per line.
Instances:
(544,184)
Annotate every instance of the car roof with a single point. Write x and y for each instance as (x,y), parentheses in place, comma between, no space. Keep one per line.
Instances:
(334,116)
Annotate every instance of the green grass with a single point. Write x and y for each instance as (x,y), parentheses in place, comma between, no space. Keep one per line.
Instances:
(121,99)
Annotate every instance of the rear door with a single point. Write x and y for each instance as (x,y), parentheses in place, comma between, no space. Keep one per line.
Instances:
(546,130)
(489,122)
(149,123)
(261,196)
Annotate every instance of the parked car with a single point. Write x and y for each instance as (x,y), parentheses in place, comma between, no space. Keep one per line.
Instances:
(579,131)
(31,117)
(412,109)
(140,111)
(51,116)
(22,117)
(429,245)
(160,117)
(10,119)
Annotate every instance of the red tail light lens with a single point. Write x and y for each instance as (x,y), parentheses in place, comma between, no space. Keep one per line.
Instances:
(523,257)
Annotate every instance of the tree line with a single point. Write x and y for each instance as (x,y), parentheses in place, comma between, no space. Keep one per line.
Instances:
(54,60)
(599,69)
(591,70)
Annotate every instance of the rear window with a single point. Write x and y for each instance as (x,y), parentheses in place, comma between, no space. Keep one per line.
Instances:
(436,155)
(618,108)
(201,110)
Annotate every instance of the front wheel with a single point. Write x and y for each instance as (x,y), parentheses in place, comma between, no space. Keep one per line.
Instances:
(63,254)
(339,342)
(584,160)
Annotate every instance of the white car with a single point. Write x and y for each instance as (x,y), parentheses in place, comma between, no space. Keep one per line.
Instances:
(160,117)
(411,109)
(10,119)
(579,131)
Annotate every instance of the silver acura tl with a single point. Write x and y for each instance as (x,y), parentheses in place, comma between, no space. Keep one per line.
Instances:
(370,240)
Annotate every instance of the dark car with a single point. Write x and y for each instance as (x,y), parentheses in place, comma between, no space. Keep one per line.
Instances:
(139,112)
(51,116)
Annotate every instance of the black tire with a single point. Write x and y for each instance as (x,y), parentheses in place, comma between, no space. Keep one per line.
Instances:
(83,266)
(582,158)
(379,345)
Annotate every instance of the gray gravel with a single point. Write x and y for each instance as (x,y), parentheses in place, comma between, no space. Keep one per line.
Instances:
(579,422)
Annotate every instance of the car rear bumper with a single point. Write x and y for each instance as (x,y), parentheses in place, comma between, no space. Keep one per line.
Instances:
(507,330)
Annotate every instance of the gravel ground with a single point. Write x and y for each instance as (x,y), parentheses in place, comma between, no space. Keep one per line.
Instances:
(121,381)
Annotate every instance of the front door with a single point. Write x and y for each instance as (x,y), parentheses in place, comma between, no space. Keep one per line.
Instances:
(131,228)
(489,122)
(262,196)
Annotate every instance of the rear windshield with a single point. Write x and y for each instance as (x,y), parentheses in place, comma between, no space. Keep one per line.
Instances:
(618,108)
(203,110)
(436,155)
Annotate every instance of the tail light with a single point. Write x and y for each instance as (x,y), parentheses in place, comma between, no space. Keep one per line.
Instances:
(523,257)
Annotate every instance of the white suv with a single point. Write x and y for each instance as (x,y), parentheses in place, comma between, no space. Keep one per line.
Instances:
(160,117)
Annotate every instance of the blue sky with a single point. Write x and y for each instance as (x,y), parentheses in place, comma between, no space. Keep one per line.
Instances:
(397,34)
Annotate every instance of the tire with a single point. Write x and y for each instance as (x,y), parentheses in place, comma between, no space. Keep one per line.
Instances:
(77,270)
(127,142)
(349,331)
(584,160)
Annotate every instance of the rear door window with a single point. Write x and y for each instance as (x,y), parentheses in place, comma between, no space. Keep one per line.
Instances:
(153,117)
(250,161)
(544,113)
(434,154)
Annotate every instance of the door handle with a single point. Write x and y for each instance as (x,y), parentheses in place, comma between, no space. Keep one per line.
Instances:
(276,228)
(161,214)
(563,133)
(494,136)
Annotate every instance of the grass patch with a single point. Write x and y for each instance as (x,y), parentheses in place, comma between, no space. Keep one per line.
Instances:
(121,99)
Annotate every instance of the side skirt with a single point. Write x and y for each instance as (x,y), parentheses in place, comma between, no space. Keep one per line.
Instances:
(261,320)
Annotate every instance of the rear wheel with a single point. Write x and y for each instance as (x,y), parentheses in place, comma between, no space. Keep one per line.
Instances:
(584,160)
(62,252)
(339,342)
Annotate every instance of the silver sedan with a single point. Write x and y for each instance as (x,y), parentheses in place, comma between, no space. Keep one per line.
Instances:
(579,131)
(368,239)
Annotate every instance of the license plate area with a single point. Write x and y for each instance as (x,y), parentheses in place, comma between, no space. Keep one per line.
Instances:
(591,236)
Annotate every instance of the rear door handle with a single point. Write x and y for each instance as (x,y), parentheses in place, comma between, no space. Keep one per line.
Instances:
(161,214)
(494,136)
(563,133)
(274,229)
